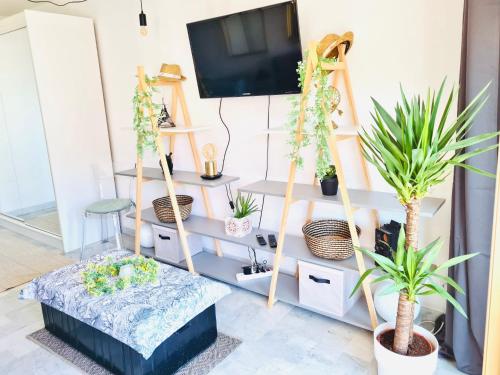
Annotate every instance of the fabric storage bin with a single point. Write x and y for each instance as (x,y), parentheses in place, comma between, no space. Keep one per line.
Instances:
(168,246)
(327,289)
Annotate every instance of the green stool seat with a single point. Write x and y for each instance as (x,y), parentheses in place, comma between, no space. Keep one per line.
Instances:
(108,206)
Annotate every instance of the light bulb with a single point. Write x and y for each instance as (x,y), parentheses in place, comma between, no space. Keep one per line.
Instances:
(143,30)
(143,23)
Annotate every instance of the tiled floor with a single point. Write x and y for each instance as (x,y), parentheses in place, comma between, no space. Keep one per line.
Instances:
(283,340)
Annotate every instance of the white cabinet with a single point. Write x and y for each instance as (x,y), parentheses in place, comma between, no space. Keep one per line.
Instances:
(326,290)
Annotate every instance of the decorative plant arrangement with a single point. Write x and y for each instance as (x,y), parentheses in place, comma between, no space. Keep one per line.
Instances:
(330,182)
(414,151)
(146,135)
(316,121)
(103,279)
(241,224)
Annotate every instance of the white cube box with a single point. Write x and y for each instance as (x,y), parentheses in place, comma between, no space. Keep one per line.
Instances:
(327,289)
(168,246)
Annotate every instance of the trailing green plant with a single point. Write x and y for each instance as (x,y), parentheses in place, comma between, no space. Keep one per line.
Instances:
(331,172)
(415,150)
(102,279)
(319,104)
(146,134)
(413,274)
(244,206)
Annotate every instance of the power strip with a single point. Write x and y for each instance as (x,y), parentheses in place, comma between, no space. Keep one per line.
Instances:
(242,277)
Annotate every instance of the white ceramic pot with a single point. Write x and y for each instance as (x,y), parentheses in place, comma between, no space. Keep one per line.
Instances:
(387,306)
(390,363)
(147,237)
(238,227)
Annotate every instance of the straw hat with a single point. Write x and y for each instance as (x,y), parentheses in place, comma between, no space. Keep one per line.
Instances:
(171,73)
(328,46)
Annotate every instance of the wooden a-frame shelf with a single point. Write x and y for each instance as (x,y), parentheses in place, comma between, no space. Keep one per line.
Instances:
(183,177)
(295,245)
(359,198)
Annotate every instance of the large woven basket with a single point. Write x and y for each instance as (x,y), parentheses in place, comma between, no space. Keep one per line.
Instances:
(329,239)
(164,211)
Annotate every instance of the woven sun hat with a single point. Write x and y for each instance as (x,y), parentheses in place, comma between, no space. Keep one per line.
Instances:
(171,72)
(329,46)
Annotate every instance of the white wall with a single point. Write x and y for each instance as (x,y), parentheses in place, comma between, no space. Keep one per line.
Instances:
(416,43)
(25,181)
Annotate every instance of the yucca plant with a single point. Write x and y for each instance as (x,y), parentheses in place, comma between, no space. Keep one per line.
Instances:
(413,274)
(244,206)
(416,150)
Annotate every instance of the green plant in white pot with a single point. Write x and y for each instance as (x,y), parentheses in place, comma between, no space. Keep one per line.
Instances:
(414,151)
(240,224)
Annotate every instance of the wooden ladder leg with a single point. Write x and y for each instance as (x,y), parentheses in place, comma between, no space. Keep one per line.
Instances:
(173,115)
(138,205)
(348,87)
(332,144)
(281,235)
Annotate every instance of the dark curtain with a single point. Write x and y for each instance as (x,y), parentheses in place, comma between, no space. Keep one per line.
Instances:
(473,195)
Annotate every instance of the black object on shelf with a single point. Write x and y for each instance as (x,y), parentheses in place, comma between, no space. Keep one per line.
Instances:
(214,177)
(272,241)
(170,164)
(386,238)
(330,186)
(261,240)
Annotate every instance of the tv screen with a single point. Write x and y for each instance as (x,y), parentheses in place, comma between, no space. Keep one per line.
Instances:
(248,53)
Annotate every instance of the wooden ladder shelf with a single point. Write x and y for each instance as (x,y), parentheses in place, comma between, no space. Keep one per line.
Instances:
(337,68)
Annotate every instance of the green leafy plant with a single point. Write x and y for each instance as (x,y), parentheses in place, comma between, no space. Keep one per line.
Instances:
(413,274)
(331,172)
(102,279)
(244,206)
(319,104)
(414,151)
(146,134)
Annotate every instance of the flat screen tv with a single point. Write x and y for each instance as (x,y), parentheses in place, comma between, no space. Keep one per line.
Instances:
(248,53)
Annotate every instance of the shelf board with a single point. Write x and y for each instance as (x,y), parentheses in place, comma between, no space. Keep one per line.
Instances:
(182,130)
(225,269)
(295,246)
(359,198)
(341,131)
(183,177)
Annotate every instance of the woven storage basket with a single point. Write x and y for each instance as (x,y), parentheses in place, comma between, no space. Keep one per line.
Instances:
(329,239)
(164,211)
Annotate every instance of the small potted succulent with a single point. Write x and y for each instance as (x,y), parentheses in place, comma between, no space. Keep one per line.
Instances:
(240,224)
(330,182)
(412,274)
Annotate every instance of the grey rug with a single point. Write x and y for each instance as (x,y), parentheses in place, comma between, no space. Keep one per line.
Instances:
(200,365)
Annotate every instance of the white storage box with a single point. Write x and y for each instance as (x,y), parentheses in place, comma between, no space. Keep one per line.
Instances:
(168,246)
(325,289)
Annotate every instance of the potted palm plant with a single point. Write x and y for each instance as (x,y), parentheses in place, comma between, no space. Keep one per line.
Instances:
(414,151)
(330,182)
(240,224)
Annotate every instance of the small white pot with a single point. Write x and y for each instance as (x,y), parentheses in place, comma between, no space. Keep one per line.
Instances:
(147,237)
(238,227)
(390,363)
(387,306)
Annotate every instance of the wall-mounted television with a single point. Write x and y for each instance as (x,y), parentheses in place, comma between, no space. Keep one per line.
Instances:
(254,52)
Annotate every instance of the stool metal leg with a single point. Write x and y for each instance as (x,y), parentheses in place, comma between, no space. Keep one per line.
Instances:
(117,231)
(84,222)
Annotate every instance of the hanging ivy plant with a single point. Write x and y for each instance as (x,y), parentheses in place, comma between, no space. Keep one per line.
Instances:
(320,102)
(146,134)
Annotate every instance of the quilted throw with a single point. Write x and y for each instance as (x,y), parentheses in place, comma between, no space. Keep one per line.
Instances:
(141,317)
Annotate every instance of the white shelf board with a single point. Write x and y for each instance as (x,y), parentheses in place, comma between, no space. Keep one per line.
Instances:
(225,269)
(183,130)
(183,177)
(295,246)
(343,130)
(359,198)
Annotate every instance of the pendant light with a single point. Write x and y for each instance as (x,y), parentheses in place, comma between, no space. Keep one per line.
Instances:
(143,22)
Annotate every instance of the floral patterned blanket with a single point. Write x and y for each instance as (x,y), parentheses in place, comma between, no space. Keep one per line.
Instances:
(141,317)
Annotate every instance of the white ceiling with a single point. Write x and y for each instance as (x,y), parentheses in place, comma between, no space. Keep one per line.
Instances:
(10,7)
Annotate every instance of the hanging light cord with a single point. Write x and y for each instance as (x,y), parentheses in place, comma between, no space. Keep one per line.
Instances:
(267,159)
(228,136)
(141,6)
(56,4)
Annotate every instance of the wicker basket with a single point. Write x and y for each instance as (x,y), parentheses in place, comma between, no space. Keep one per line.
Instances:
(329,239)
(164,211)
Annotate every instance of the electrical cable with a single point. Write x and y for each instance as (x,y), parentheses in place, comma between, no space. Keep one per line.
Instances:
(56,4)
(267,159)
(228,135)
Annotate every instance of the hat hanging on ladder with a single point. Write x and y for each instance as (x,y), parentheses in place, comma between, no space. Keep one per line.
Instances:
(170,73)
(328,47)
